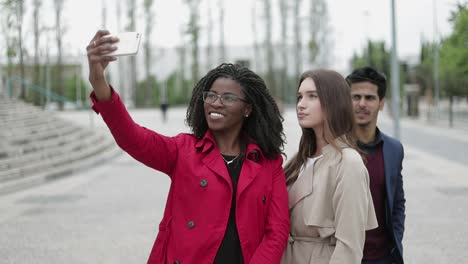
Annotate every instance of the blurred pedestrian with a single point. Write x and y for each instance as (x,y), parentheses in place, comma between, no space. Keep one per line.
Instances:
(384,163)
(164,105)
(228,200)
(330,203)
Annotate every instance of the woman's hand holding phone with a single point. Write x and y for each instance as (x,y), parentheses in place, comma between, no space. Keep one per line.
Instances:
(98,58)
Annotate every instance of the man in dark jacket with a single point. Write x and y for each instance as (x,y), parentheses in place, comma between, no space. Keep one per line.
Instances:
(384,162)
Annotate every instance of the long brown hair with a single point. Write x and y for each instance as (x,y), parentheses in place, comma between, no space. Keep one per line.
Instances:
(334,95)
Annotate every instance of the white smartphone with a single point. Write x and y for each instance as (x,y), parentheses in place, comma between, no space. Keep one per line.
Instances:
(128,44)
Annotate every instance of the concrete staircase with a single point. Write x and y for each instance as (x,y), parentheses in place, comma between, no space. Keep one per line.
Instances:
(36,146)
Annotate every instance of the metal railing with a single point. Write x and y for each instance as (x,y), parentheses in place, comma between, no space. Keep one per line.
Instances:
(47,93)
(50,96)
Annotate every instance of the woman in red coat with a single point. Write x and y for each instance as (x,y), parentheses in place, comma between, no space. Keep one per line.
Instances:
(228,201)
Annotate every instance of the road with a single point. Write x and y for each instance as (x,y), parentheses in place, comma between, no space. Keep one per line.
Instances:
(432,139)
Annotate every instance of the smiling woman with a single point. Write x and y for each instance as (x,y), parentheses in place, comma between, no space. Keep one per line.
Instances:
(228,201)
(225,116)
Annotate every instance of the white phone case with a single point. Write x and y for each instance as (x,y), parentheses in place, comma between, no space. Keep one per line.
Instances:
(128,44)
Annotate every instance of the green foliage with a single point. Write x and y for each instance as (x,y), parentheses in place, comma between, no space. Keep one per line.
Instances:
(37,89)
(11,52)
(141,94)
(71,86)
(454,55)
(379,57)
(425,70)
(313,49)
(375,55)
(175,93)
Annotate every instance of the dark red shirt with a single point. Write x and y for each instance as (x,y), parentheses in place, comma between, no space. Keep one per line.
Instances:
(378,242)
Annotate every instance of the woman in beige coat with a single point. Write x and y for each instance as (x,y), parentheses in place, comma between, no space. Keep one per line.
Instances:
(330,203)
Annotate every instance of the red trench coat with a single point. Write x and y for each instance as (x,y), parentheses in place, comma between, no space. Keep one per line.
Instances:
(198,205)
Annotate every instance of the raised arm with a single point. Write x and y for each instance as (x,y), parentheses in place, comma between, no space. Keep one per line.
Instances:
(150,148)
(98,61)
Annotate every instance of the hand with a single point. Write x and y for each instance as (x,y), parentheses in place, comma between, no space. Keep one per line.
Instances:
(97,49)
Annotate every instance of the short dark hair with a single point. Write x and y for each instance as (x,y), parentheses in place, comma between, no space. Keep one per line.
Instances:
(369,74)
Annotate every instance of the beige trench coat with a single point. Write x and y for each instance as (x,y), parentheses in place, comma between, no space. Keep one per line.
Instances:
(330,208)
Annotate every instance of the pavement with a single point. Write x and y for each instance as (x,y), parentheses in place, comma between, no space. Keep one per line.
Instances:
(110,213)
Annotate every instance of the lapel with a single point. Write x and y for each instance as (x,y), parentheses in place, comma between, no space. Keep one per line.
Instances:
(302,187)
(249,171)
(215,163)
(388,169)
(213,159)
(251,167)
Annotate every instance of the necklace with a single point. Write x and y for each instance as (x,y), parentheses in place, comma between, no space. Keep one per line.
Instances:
(229,161)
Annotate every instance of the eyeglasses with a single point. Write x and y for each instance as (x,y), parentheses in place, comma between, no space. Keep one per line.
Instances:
(227,99)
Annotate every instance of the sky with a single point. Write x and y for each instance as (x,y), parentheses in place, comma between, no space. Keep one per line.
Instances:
(351,23)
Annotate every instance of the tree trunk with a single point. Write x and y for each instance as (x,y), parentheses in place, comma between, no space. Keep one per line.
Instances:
(59,35)
(209,39)
(133,71)
(450,111)
(269,49)
(37,33)
(122,88)
(222,45)
(148,4)
(194,31)
(257,60)
(284,49)
(297,39)
(20,47)
(182,61)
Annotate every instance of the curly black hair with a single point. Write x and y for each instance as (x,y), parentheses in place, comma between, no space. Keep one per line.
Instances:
(369,74)
(264,124)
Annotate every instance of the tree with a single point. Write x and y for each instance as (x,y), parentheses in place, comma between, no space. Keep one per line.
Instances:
(222,45)
(120,64)
(297,38)
(378,56)
(20,12)
(453,57)
(181,53)
(104,25)
(59,34)
(270,59)
(256,46)
(13,11)
(194,33)
(131,13)
(37,34)
(148,30)
(8,24)
(319,32)
(424,70)
(454,54)
(209,38)
(284,8)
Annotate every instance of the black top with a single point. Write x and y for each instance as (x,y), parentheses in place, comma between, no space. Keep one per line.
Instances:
(230,251)
(373,146)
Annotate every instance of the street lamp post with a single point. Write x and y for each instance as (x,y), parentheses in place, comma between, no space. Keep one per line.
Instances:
(395,78)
